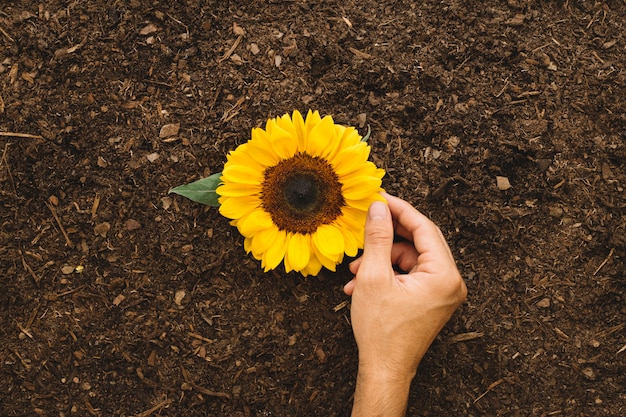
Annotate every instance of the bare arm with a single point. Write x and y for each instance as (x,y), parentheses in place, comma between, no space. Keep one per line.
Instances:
(395,317)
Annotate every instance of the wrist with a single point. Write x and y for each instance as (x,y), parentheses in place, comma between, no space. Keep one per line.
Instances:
(381,391)
(382,372)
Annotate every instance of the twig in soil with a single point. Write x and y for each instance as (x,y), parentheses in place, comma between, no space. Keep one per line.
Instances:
(24,330)
(179,22)
(159,83)
(31,319)
(64,293)
(506,84)
(68,242)
(465,337)
(4,158)
(489,388)
(6,35)
(228,53)
(24,362)
(29,269)
(209,392)
(92,411)
(218,90)
(94,207)
(233,111)
(341,305)
(604,262)
(200,337)
(165,403)
(20,135)
(360,54)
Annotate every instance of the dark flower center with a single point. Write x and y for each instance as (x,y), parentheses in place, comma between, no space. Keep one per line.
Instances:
(302,193)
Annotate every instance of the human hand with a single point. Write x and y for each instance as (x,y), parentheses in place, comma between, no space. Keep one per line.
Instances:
(396,316)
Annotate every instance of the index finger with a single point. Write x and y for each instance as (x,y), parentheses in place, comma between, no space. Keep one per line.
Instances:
(415,226)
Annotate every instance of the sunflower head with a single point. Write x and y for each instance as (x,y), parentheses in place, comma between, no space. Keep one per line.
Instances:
(299,190)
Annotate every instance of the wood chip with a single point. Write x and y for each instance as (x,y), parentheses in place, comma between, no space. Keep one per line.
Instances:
(609,44)
(152,157)
(102,229)
(503,183)
(67,269)
(360,54)
(238,30)
(321,355)
(607,174)
(361,119)
(148,29)
(543,303)
(132,224)
(178,297)
(236,59)
(118,300)
(166,202)
(168,130)
(516,20)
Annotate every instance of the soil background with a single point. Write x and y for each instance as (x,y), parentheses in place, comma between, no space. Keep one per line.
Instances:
(504,121)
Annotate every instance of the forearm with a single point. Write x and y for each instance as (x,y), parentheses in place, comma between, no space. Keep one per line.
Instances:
(380,395)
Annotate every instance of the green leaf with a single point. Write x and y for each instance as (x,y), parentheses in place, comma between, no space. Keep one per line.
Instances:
(201,191)
(367,136)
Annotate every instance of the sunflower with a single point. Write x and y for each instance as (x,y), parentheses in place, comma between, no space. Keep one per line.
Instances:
(299,191)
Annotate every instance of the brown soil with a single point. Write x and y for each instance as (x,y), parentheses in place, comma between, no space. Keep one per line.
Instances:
(170,317)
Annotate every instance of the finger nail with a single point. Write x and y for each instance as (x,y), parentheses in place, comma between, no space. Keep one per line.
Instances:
(377,211)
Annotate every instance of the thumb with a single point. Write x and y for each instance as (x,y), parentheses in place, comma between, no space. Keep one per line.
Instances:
(378,238)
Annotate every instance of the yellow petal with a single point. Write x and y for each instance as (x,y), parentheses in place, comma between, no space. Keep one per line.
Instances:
(348,136)
(329,241)
(359,188)
(313,268)
(262,241)
(312,118)
(353,222)
(242,156)
(233,189)
(283,143)
(350,240)
(322,138)
(364,204)
(254,222)
(328,263)
(285,123)
(350,159)
(262,152)
(358,204)
(242,174)
(276,251)
(236,207)
(354,219)
(247,244)
(298,124)
(298,251)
